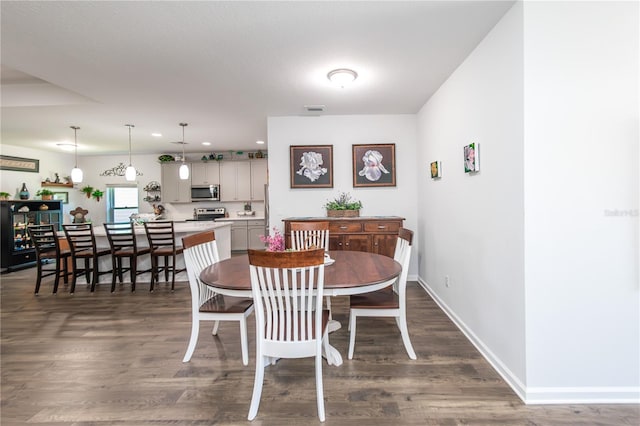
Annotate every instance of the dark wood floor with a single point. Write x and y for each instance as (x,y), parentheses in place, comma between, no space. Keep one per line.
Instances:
(116,359)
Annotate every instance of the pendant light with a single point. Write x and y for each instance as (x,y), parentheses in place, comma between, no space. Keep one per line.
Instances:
(76,173)
(130,172)
(184,169)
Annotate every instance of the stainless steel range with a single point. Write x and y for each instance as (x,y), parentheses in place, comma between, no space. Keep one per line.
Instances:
(209,213)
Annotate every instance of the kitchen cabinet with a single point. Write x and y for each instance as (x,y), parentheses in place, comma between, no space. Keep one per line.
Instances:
(174,189)
(205,173)
(235,181)
(370,234)
(245,234)
(258,179)
(17,248)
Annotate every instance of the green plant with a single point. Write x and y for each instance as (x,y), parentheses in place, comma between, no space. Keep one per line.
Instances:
(97,194)
(87,190)
(4,195)
(44,191)
(343,202)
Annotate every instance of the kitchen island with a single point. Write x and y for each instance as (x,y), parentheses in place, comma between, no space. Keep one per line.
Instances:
(181,229)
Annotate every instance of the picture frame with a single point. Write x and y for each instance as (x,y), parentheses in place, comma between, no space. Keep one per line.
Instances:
(19,164)
(374,165)
(472,158)
(311,166)
(61,196)
(436,169)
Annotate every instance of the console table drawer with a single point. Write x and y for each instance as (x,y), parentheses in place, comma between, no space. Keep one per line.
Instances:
(382,226)
(344,227)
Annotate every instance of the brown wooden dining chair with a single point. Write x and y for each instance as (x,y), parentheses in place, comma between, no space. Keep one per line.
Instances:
(47,245)
(287,292)
(388,302)
(123,245)
(82,243)
(162,243)
(200,251)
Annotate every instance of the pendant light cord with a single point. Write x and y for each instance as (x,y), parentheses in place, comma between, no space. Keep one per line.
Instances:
(183,126)
(75,138)
(129,126)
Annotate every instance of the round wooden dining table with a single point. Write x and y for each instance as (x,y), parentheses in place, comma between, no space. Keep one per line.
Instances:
(351,272)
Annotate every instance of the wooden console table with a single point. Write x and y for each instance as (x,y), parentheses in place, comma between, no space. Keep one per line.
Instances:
(373,234)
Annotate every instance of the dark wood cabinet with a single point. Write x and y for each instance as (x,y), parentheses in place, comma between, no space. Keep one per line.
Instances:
(15,216)
(370,234)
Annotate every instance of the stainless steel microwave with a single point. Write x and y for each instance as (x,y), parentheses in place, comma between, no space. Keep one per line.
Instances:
(205,193)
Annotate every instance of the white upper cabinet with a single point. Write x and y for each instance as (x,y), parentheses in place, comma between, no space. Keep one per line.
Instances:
(206,173)
(235,181)
(258,179)
(174,189)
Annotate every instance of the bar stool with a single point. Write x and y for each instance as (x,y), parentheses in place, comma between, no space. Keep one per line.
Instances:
(123,245)
(47,245)
(162,243)
(82,243)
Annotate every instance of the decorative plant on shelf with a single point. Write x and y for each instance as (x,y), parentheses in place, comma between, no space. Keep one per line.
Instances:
(4,195)
(343,206)
(275,241)
(46,194)
(88,190)
(97,194)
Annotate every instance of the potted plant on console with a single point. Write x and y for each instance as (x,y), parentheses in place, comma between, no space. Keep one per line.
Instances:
(45,194)
(4,195)
(343,206)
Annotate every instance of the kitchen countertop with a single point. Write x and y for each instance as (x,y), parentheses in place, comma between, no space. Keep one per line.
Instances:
(178,227)
(237,218)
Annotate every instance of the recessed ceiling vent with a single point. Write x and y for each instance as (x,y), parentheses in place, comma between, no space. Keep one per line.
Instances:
(314,108)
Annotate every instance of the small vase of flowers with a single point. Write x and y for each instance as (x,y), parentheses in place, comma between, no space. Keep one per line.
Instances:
(274,242)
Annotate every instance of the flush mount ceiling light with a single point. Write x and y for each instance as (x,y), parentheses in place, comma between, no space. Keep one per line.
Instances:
(206,143)
(184,169)
(130,173)
(260,142)
(76,172)
(342,77)
(156,135)
(66,146)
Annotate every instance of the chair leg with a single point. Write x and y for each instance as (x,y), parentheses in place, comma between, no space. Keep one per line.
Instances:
(39,277)
(319,389)
(195,329)
(214,331)
(87,271)
(166,268)
(120,270)
(404,331)
(96,273)
(154,271)
(74,276)
(133,272)
(257,385)
(352,333)
(173,272)
(56,281)
(243,341)
(328,299)
(115,263)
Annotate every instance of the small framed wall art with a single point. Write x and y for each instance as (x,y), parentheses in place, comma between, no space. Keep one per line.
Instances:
(436,170)
(472,158)
(62,196)
(374,165)
(311,166)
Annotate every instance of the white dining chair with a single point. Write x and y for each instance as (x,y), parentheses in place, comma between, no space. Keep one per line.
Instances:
(308,235)
(290,321)
(200,251)
(388,302)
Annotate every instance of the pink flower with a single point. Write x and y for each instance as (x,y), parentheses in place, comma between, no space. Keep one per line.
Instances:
(275,241)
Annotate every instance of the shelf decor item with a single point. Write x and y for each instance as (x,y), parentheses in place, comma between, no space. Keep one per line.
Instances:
(45,194)
(343,206)
(4,196)
(24,192)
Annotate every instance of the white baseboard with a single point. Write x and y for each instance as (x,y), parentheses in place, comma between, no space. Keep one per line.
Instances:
(538,395)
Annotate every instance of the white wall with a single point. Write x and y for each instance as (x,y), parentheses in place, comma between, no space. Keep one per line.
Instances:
(471,226)
(342,132)
(542,244)
(581,151)
(50,163)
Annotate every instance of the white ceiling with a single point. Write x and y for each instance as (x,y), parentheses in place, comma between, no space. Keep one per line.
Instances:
(222,67)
